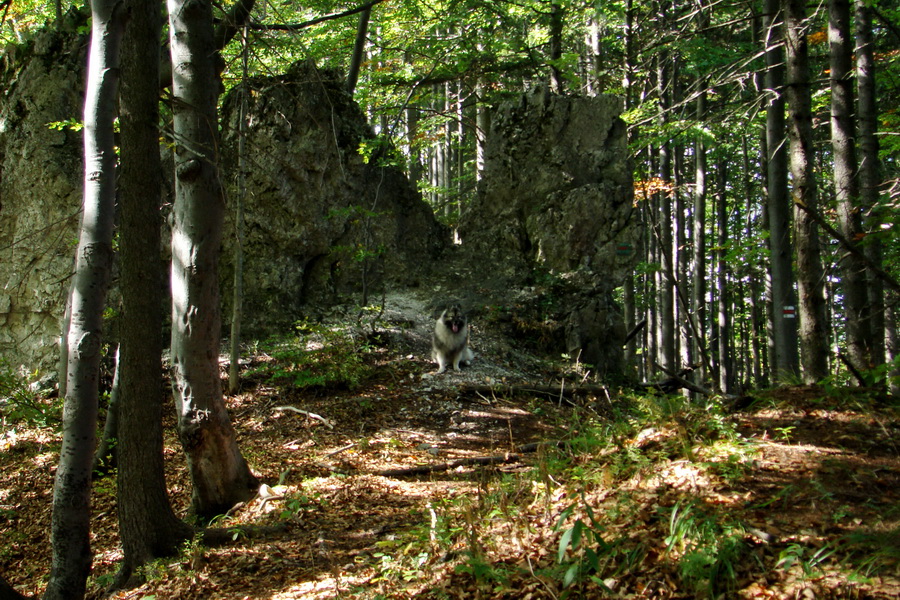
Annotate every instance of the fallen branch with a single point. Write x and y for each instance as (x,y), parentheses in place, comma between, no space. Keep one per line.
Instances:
(308,414)
(852,368)
(554,391)
(467,462)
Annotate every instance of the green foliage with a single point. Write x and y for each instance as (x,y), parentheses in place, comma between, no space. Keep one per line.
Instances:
(708,548)
(21,402)
(317,356)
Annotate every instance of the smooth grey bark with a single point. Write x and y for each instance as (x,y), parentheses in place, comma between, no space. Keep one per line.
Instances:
(786,360)
(723,319)
(698,291)
(892,340)
(810,273)
(148,527)
(219,473)
(870,170)
(70,523)
(846,188)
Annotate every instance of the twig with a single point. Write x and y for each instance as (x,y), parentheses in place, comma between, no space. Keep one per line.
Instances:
(341,449)
(850,247)
(308,414)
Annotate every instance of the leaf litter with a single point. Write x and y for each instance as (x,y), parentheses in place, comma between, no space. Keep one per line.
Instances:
(797,496)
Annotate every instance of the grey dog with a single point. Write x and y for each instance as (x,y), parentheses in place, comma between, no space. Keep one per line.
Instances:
(450,342)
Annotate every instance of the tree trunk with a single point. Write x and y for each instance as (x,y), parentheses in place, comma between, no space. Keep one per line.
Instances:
(70,524)
(556,33)
(148,527)
(666,280)
(237,293)
(870,170)
(359,50)
(892,342)
(810,275)
(784,323)
(105,456)
(843,130)
(723,322)
(220,475)
(698,300)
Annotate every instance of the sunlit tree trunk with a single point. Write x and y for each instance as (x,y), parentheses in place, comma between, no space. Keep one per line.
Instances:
(810,274)
(784,322)
(699,235)
(219,474)
(70,523)
(723,321)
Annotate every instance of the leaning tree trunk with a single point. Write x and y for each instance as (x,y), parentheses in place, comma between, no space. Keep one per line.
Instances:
(786,361)
(843,131)
(70,526)
(220,475)
(810,275)
(148,526)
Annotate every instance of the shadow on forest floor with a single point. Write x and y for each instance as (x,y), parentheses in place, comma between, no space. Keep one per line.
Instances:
(635,496)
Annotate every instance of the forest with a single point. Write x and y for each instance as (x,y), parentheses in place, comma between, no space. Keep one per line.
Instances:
(744,445)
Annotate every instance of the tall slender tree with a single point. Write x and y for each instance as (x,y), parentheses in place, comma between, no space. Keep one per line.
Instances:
(786,360)
(870,169)
(219,473)
(70,523)
(148,526)
(846,188)
(810,273)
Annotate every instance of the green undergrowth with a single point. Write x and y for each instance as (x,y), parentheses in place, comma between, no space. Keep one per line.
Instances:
(316,355)
(22,402)
(646,503)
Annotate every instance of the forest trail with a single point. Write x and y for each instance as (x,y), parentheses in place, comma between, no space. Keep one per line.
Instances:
(805,483)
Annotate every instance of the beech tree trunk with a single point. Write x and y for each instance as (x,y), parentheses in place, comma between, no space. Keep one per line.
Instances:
(220,475)
(698,300)
(786,360)
(723,322)
(70,523)
(843,130)
(810,274)
(148,526)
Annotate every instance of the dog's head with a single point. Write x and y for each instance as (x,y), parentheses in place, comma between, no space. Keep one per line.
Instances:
(453,318)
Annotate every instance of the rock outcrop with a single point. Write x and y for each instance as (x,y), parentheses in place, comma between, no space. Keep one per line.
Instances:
(40,188)
(554,218)
(327,218)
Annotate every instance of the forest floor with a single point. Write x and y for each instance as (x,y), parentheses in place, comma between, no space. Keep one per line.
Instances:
(401,484)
